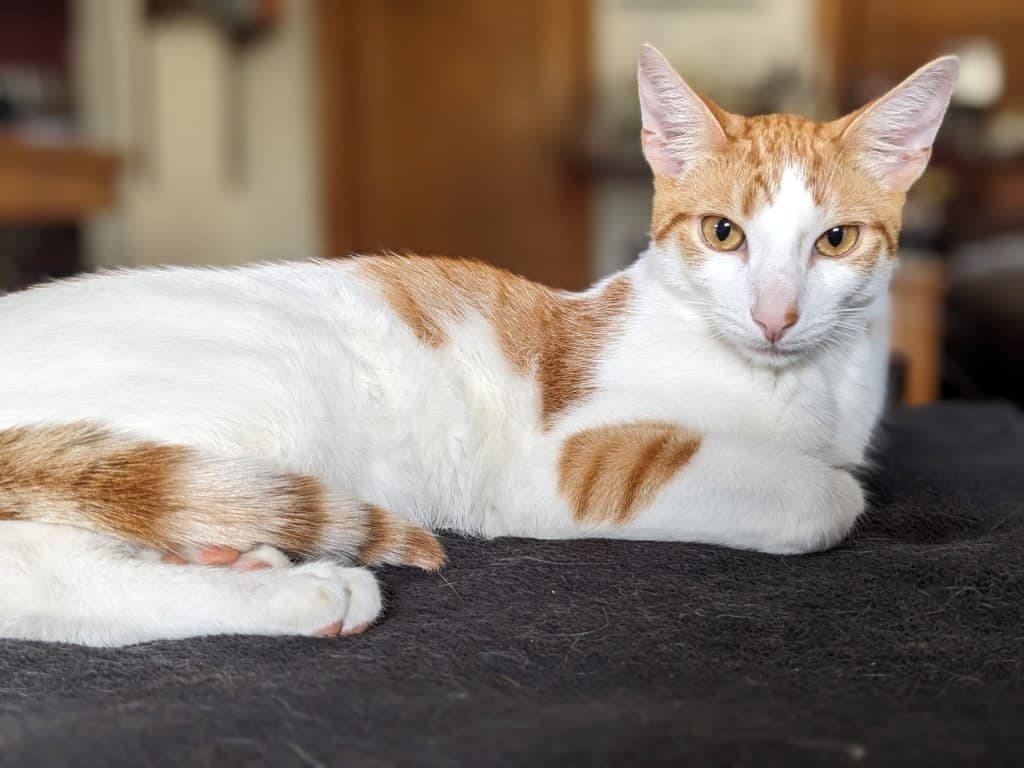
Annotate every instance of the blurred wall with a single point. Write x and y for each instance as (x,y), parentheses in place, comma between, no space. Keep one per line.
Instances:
(719,46)
(708,41)
(220,140)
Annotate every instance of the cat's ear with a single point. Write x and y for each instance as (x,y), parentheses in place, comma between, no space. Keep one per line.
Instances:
(894,134)
(678,127)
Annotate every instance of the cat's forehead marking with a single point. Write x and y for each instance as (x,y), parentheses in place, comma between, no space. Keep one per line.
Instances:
(767,147)
(789,212)
(791,197)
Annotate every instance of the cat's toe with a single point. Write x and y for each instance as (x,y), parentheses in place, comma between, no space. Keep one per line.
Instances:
(262,557)
(211,555)
(331,630)
(364,604)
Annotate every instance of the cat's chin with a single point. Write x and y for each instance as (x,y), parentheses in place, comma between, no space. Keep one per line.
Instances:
(774,355)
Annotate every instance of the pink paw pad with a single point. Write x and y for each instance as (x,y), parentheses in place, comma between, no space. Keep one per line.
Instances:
(331,630)
(260,558)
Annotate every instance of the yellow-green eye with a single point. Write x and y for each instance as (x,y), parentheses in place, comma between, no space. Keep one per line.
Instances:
(837,241)
(721,234)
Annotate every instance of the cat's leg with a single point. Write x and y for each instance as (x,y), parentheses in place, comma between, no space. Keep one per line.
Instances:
(650,480)
(65,584)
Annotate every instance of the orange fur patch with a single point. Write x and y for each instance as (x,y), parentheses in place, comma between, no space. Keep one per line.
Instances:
(302,503)
(390,539)
(81,471)
(553,336)
(610,473)
(168,497)
(743,177)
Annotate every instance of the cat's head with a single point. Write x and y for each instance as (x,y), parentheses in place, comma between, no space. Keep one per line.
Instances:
(780,229)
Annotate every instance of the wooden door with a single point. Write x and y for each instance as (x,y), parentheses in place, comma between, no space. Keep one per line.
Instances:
(447,128)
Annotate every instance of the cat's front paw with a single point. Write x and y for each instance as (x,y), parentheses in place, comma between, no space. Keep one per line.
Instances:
(830,510)
(821,512)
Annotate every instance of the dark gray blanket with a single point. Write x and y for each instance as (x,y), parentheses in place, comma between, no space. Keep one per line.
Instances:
(903,646)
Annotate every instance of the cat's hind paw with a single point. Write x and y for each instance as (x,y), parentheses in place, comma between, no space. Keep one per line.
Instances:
(320,598)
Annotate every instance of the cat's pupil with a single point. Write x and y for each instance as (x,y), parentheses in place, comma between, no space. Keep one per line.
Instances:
(722,229)
(835,236)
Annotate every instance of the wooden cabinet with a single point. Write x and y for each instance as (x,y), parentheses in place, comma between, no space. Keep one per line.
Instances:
(46,184)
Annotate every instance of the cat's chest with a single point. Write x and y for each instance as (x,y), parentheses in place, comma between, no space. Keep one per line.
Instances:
(706,388)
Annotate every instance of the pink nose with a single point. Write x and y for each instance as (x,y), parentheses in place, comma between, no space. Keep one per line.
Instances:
(774,320)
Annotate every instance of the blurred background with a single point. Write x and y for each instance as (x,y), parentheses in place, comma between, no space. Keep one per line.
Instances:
(138,132)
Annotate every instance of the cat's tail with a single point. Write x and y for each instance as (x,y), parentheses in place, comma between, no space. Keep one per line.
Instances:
(173,498)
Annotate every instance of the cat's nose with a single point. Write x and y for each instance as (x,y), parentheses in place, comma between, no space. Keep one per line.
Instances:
(775,319)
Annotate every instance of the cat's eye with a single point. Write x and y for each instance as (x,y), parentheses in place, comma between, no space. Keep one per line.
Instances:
(837,240)
(721,234)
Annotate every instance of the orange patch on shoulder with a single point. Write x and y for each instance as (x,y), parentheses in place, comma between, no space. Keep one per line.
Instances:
(553,336)
(419,294)
(610,473)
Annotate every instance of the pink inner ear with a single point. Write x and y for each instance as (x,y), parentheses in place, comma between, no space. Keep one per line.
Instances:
(920,133)
(895,134)
(677,127)
(903,169)
(655,91)
(659,154)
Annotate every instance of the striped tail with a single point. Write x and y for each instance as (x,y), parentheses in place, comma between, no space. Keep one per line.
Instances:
(173,498)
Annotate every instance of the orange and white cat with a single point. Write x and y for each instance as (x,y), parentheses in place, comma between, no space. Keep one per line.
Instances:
(721,389)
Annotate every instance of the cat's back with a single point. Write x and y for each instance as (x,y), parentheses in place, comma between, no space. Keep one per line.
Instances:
(175,299)
(127,346)
(117,321)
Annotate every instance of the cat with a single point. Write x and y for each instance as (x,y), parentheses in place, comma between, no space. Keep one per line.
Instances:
(721,389)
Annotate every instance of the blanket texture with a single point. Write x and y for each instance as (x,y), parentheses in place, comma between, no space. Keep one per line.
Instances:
(903,646)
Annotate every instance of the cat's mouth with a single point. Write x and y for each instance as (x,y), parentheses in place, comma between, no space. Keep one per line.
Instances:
(775,355)
(780,354)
